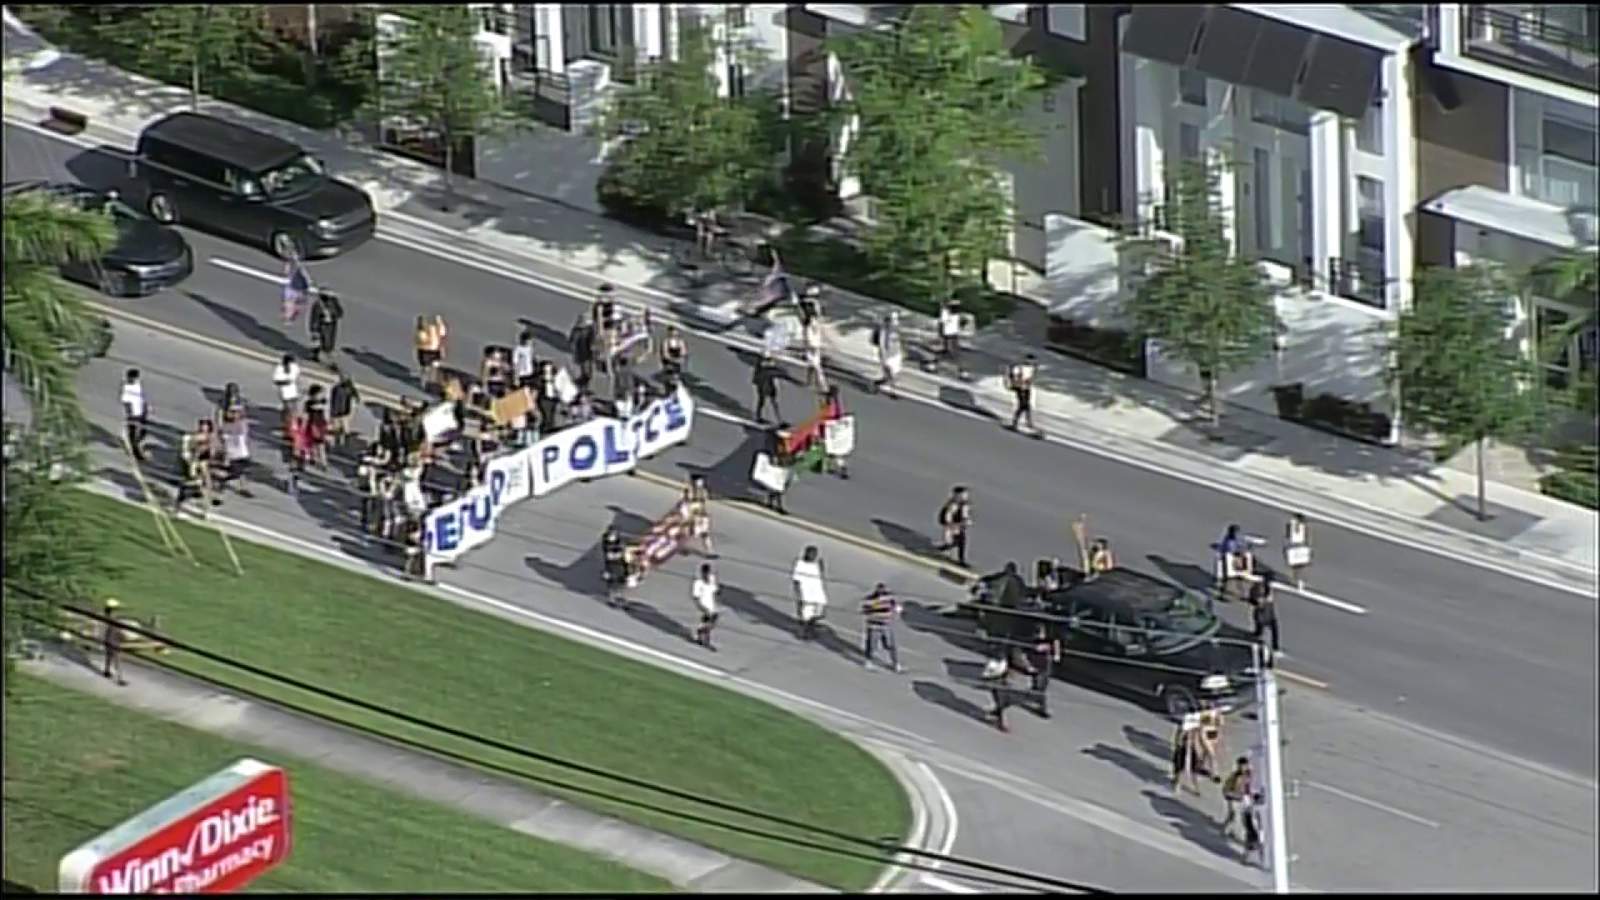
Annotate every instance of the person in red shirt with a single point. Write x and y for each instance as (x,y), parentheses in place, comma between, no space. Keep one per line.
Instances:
(302,447)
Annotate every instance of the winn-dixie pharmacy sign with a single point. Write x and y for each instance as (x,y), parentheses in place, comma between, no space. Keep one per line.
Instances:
(212,838)
(594,449)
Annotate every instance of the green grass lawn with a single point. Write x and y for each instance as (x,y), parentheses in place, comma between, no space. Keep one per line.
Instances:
(76,766)
(397,647)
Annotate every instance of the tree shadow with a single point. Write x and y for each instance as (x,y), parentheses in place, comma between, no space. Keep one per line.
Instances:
(705,391)
(940,695)
(729,477)
(555,340)
(251,327)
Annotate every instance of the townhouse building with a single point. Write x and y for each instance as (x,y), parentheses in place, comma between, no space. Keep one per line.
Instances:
(1361,142)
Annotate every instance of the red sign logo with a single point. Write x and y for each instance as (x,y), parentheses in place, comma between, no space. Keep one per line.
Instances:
(213,838)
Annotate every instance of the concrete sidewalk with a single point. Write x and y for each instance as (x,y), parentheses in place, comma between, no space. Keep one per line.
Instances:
(496,798)
(1280,463)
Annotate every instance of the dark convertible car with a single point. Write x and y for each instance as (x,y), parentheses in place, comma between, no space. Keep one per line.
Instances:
(1143,636)
(147,257)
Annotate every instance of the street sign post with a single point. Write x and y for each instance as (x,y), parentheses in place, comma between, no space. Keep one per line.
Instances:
(212,838)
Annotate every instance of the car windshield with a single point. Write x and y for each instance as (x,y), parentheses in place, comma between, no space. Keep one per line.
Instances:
(120,211)
(1184,618)
(293,177)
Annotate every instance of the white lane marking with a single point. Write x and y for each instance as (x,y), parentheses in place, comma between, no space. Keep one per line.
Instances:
(1315,597)
(1356,798)
(946,885)
(243,269)
(510,271)
(919,833)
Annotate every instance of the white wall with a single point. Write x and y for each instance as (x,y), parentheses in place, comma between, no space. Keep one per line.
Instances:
(1049,185)
(1082,271)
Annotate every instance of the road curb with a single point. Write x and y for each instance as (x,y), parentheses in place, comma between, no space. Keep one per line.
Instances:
(931,828)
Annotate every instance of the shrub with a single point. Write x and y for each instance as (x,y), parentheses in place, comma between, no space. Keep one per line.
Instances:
(1330,412)
(838,263)
(1110,347)
(1578,479)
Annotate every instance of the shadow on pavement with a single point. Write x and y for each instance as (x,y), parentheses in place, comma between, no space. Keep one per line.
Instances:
(104,168)
(252,328)
(1192,824)
(962,399)
(384,366)
(750,608)
(544,334)
(905,538)
(939,695)
(1132,763)
(645,614)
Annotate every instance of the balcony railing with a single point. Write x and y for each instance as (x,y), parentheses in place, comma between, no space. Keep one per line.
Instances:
(1357,279)
(549,94)
(1525,40)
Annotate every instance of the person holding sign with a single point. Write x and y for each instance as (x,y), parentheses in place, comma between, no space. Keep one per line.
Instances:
(697,508)
(838,434)
(1100,559)
(1297,547)
(1020,380)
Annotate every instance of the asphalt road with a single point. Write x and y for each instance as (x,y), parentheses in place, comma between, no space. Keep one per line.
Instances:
(1378,803)
(1451,647)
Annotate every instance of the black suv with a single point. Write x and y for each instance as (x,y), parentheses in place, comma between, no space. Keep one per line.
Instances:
(246,184)
(1152,638)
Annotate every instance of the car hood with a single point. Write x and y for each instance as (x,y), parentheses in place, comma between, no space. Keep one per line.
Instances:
(332,199)
(146,243)
(1221,652)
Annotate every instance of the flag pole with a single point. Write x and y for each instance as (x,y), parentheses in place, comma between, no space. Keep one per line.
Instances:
(1272,755)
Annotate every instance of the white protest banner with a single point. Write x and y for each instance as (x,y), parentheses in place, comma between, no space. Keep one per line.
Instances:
(604,447)
(506,477)
(453,528)
(439,421)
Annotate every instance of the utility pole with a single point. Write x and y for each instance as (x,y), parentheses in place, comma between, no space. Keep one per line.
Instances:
(1271,736)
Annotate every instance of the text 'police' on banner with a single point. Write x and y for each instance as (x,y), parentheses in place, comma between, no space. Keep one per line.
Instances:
(611,446)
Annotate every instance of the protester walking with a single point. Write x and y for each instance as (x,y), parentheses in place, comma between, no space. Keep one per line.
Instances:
(547,398)
(880,609)
(777,440)
(765,379)
(614,555)
(1186,752)
(704,593)
(317,426)
(286,379)
(998,673)
(1264,615)
(194,454)
(955,518)
(1019,378)
(235,431)
(674,359)
(1297,547)
(300,452)
(1250,813)
(1043,654)
(697,500)
(326,313)
(811,347)
(430,342)
(950,335)
(581,339)
(296,287)
(1236,791)
(135,413)
(891,352)
(524,363)
(111,639)
(341,406)
(810,591)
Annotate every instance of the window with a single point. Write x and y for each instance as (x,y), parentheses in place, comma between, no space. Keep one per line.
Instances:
(1192,87)
(738,16)
(1568,163)
(1189,141)
(1553,344)
(735,80)
(610,28)
(1369,212)
(1280,112)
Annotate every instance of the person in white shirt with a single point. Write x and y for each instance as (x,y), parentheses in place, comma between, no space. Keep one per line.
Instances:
(950,333)
(704,592)
(811,340)
(286,378)
(135,413)
(811,596)
(523,363)
(891,354)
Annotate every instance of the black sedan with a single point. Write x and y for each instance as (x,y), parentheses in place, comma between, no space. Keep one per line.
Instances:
(1151,638)
(147,257)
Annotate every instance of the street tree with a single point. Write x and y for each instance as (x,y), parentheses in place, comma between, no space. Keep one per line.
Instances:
(1576,277)
(1457,366)
(1204,304)
(935,106)
(42,314)
(684,144)
(433,77)
(194,44)
(45,547)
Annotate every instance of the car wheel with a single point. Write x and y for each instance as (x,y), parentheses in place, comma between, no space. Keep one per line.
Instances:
(162,209)
(1179,700)
(284,246)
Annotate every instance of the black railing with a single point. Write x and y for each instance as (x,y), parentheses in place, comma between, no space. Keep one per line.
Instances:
(1359,280)
(549,95)
(1527,41)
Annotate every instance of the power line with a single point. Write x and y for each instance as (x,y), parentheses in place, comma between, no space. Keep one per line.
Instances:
(629,780)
